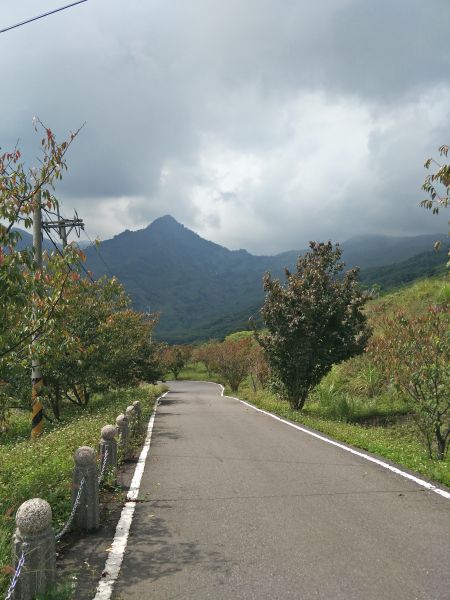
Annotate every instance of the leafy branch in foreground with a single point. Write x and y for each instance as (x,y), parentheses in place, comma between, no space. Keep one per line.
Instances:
(28,294)
(437,186)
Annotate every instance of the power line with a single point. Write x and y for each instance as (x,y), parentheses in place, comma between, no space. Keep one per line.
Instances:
(95,246)
(99,254)
(57,248)
(50,12)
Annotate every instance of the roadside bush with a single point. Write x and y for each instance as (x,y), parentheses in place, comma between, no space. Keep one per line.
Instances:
(414,352)
(234,359)
(358,376)
(175,358)
(208,355)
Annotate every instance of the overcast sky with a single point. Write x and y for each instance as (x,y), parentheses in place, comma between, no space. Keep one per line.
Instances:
(260,124)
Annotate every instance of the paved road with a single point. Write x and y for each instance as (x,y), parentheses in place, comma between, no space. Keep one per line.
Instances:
(237,505)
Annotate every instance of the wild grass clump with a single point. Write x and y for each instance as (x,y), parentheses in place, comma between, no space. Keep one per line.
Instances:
(356,391)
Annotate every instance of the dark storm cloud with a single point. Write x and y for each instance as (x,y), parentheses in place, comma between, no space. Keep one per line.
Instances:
(259,123)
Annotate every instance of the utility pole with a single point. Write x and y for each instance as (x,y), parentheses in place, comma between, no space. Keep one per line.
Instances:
(62,230)
(37,410)
(61,225)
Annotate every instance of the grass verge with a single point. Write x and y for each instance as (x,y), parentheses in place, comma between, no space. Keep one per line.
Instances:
(195,372)
(43,467)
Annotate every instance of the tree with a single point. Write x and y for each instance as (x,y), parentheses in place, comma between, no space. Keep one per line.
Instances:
(259,367)
(96,343)
(207,354)
(88,338)
(233,360)
(26,307)
(175,358)
(76,353)
(131,355)
(437,186)
(314,320)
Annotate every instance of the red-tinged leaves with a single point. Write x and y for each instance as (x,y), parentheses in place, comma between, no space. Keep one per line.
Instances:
(437,184)
(8,570)
(414,352)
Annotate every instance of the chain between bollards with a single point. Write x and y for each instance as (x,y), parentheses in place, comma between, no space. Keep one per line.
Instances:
(15,579)
(59,535)
(102,473)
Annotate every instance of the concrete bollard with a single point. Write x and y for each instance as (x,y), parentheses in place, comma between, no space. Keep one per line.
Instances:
(122,427)
(138,411)
(34,538)
(87,514)
(108,448)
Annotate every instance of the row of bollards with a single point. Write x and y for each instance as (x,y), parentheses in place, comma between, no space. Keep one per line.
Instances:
(34,554)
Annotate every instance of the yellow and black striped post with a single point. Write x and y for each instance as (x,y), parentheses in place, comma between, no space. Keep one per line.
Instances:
(37,410)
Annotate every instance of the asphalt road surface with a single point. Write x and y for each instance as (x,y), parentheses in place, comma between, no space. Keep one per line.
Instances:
(235,505)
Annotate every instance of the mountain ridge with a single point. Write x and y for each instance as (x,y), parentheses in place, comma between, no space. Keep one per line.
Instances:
(196,284)
(203,289)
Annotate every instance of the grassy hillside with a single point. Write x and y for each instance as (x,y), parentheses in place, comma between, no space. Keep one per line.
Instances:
(413,298)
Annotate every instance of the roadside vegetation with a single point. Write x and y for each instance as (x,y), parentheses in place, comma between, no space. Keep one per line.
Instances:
(81,336)
(43,468)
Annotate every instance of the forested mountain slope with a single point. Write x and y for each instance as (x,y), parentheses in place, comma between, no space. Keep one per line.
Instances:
(203,289)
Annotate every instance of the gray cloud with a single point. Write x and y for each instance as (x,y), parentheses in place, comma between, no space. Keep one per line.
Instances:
(259,124)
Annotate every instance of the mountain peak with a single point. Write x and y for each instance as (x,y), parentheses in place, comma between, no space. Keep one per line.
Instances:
(166,221)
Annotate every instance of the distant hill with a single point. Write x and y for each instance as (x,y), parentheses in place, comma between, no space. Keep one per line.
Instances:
(422,265)
(378,250)
(205,290)
(26,241)
(167,267)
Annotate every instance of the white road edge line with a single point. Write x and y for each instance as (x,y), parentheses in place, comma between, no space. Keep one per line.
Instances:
(421,482)
(117,551)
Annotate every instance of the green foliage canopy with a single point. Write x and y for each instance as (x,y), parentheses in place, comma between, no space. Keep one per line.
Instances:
(313,321)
